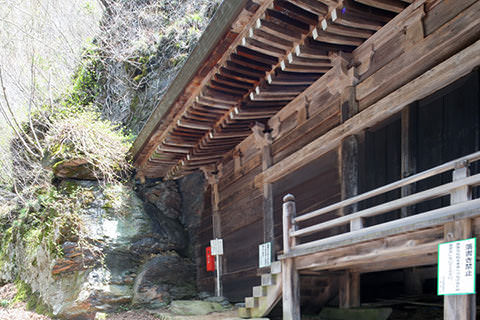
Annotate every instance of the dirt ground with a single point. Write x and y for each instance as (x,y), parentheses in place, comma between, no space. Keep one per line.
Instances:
(147,315)
(18,311)
(15,311)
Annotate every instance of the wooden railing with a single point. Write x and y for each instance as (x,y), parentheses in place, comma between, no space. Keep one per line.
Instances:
(463,209)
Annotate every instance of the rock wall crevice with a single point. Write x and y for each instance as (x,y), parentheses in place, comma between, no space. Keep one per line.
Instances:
(136,249)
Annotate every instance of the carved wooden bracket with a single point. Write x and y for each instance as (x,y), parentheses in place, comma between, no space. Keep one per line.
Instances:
(303,113)
(340,77)
(262,138)
(211,174)
(413,27)
(275,124)
(410,23)
(366,59)
(237,160)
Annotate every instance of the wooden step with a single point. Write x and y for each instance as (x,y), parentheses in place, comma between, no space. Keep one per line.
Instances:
(259,291)
(276,267)
(251,302)
(244,313)
(265,296)
(268,279)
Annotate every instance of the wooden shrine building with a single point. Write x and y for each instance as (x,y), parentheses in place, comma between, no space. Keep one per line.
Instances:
(366,111)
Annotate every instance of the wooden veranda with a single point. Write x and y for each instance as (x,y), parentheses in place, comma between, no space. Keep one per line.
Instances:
(406,242)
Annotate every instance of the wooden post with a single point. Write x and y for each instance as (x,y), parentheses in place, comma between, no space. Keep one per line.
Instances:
(349,160)
(408,158)
(237,162)
(349,148)
(263,139)
(349,290)
(412,280)
(290,277)
(459,307)
(212,177)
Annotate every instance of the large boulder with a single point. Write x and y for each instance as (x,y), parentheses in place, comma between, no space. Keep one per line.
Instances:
(74,169)
(163,279)
(97,271)
(191,190)
(165,197)
(194,308)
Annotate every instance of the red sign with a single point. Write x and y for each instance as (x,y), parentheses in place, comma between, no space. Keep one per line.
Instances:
(210,259)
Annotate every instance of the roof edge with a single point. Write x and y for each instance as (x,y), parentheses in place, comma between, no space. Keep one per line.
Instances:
(221,22)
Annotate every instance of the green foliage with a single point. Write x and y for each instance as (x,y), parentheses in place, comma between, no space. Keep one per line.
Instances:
(4,303)
(6,240)
(32,299)
(24,291)
(89,7)
(85,85)
(117,198)
(86,136)
(49,221)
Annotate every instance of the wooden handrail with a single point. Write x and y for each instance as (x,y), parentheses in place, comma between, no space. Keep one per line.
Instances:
(392,205)
(392,186)
(291,229)
(437,217)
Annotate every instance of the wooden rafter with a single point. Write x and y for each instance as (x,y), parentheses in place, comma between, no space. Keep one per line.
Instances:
(285,47)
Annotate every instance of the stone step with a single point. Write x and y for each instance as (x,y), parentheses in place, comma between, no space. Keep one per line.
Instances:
(251,302)
(259,291)
(276,267)
(269,279)
(244,313)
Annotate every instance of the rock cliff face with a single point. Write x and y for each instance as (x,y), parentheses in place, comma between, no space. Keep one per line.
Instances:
(135,251)
(143,44)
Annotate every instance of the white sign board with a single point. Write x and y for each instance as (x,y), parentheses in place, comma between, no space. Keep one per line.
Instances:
(217,247)
(265,255)
(456,267)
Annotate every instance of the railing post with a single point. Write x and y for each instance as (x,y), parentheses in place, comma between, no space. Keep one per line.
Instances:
(460,307)
(290,277)
(349,290)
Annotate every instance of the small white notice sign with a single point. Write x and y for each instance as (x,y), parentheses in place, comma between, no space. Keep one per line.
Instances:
(217,247)
(456,267)
(265,254)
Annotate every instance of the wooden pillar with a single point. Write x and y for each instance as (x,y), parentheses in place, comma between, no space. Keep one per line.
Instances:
(349,104)
(413,282)
(459,307)
(212,176)
(412,279)
(290,276)
(408,158)
(263,139)
(349,286)
(349,160)
(349,148)
(348,165)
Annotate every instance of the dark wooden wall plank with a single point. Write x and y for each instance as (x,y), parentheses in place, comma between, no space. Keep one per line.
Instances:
(382,165)
(448,128)
(314,186)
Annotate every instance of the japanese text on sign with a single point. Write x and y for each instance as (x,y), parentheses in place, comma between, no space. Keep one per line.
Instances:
(209,259)
(456,267)
(217,247)
(265,255)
